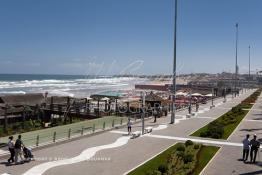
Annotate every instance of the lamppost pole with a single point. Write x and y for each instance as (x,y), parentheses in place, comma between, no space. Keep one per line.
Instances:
(236,71)
(173,107)
(143,111)
(249,66)
(212,97)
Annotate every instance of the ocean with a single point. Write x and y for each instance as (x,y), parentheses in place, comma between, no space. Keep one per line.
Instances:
(65,85)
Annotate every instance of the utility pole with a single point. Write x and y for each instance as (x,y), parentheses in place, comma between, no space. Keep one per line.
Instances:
(173,107)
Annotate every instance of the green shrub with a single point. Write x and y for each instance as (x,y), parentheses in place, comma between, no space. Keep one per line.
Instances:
(181,148)
(188,158)
(236,109)
(180,154)
(196,146)
(28,125)
(155,172)
(215,130)
(188,143)
(162,168)
(38,124)
(150,172)
(203,134)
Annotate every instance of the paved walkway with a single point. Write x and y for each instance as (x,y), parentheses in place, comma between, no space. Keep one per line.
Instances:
(228,158)
(119,153)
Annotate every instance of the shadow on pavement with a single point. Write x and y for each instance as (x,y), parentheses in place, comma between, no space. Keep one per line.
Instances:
(257,118)
(146,125)
(252,129)
(252,173)
(257,114)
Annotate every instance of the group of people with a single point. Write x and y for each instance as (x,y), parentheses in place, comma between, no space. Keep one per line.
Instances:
(17,149)
(250,147)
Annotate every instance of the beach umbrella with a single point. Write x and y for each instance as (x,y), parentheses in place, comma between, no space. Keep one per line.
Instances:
(181,94)
(208,95)
(196,94)
(105,99)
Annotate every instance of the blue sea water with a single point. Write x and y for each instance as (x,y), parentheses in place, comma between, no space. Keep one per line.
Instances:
(65,85)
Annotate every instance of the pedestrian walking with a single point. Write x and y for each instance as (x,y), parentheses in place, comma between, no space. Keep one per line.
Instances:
(197,106)
(11,147)
(255,144)
(18,149)
(155,113)
(189,109)
(246,148)
(129,126)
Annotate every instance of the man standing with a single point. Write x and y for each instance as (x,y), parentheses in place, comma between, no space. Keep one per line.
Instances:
(246,146)
(18,149)
(255,144)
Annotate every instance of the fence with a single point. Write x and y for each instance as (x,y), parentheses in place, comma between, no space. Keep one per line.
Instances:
(65,132)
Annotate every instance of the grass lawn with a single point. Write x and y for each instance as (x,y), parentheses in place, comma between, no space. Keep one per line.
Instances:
(204,156)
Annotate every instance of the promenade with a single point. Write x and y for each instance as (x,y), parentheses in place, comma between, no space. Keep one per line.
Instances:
(228,158)
(113,152)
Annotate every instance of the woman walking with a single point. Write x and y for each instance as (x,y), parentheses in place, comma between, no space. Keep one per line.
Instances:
(11,147)
(129,126)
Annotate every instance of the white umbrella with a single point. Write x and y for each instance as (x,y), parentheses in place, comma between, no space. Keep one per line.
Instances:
(196,94)
(181,94)
(88,98)
(105,99)
(208,95)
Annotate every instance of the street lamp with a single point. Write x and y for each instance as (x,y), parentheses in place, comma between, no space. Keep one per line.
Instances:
(173,107)
(225,94)
(190,103)
(249,66)
(236,58)
(143,111)
(212,102)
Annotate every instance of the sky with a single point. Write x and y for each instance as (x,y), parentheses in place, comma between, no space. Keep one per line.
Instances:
(127,36)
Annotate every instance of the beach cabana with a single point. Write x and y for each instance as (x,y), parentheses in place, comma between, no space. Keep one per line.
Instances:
(153,100)
(22,99)
(110,96)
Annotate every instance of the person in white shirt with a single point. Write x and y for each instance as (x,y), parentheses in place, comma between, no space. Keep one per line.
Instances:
(11,147)
(246,147)
(129,126)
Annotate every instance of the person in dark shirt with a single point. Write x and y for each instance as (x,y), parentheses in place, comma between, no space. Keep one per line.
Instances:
(18,149)
(255,144)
